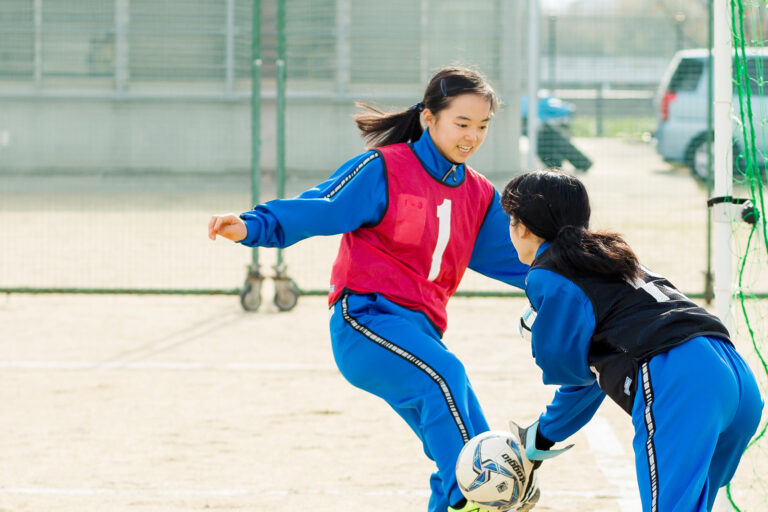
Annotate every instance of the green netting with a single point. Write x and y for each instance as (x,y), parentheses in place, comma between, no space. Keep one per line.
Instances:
(749,490)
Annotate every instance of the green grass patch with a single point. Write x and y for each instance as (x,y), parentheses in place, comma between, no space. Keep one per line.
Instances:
(634,128)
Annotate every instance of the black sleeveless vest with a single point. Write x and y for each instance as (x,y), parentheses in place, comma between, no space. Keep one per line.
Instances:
(634,322)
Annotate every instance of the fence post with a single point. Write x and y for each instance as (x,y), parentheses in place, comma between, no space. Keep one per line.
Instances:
(599,106)
(121,46)
(342,46)
(423,45)
(552,25)
(533,81)
(230,47)
(709,283)
(280,109)
(255,115)
(38,13)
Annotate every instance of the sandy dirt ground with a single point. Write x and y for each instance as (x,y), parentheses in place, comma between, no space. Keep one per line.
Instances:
(119,403)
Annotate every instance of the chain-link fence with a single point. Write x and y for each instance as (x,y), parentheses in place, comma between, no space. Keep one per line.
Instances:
(127,123)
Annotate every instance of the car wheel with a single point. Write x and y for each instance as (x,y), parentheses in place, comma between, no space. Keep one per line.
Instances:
(697,159)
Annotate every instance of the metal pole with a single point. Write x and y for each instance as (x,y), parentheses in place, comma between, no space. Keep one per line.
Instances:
(533,82)
(286,290)
(552,52)
(280,106)
(229,70)
(424,42)
(723,56)
(507,129)
(255,116)
(38,14)
(709,293)
(599,104)
(342,46)
(121,46)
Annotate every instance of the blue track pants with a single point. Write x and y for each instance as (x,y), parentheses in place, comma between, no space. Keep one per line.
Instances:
(696,409)
(397,355)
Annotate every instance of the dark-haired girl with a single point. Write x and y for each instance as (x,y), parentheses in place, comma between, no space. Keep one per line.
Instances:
(602,324)
(415,216)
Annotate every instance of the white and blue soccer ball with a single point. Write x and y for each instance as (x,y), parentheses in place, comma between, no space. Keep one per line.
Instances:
(493,471)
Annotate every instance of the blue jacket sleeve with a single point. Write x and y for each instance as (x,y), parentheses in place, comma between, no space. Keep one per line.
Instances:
(355,195)
(571,408)
(560,339)
(493,254)
(563,329)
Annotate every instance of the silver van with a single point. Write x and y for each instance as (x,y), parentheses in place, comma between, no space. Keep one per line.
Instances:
(681,103)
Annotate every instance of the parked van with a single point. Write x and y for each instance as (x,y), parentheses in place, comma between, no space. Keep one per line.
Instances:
(681,102)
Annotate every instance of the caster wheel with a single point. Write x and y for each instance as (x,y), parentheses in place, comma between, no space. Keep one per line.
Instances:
(286,294)
(250,295)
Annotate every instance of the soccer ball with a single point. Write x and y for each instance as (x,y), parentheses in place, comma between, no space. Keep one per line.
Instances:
(493,471)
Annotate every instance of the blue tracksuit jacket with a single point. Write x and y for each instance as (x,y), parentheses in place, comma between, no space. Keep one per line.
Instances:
(696,408)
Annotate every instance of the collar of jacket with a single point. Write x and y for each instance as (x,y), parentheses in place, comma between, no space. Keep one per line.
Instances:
(435,163)
(542,248)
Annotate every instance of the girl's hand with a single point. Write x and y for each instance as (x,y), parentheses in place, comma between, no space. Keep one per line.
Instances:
(229,226)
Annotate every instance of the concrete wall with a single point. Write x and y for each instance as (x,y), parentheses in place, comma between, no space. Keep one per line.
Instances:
(108,135)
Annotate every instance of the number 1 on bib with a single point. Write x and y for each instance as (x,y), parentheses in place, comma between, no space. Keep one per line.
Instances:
(443,234)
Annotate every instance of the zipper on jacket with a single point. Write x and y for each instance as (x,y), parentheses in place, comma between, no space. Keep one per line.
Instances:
(452,170)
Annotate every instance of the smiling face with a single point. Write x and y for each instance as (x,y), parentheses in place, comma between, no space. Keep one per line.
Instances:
(459,129)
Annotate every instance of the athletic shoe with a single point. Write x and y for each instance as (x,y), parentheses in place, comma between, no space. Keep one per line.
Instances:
(469,506)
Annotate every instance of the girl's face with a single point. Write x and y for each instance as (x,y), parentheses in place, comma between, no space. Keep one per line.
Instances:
(459,129)
(525,242)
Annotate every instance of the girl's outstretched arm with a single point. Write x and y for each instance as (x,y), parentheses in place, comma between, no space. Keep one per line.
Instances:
(354,196)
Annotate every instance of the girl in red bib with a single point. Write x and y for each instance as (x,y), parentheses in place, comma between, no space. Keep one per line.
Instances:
(414,216)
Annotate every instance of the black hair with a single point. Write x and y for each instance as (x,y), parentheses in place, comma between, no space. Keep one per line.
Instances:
(555,206)
(381,128)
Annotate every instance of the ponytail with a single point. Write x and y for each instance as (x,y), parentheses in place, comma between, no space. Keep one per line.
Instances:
(554,206)
(577,250)
(381,128)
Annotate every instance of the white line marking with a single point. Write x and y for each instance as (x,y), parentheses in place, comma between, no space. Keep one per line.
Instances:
(187,365)
(160,365)
(617,466)
(61,491)
(57,491)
